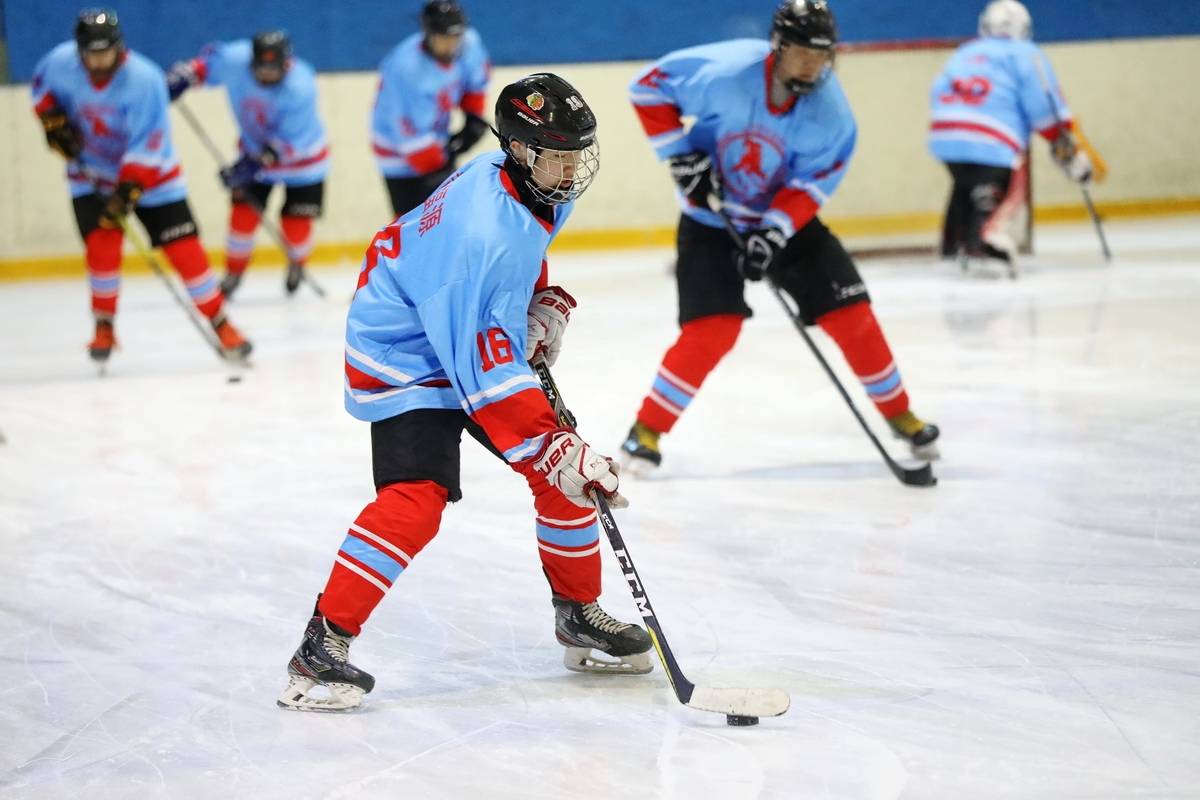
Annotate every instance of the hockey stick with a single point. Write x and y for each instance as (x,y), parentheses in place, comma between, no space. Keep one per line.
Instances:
(1087,195)
(144,251)
(250,199)
(915,476)
(740,706)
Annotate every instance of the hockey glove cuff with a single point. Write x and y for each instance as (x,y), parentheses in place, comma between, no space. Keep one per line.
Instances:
(181,77)
(119,204)
(576,470)
(693,174)
(762,250)
(63,137)
(546,322)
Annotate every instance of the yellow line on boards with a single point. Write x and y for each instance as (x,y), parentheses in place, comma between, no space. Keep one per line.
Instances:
(19,269)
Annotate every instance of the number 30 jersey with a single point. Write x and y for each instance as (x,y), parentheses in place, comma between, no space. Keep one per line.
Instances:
(989,97)
(439,317)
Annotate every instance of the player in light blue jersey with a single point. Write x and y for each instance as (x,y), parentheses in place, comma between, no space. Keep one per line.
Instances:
(281,140)
(104,109)
(993,93)
(773,135)
(421,81)
(452,303)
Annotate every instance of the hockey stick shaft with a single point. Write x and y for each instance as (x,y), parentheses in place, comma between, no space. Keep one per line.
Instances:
(679,683)
(272,230)
(1058,122)
(143,249)
(920,476)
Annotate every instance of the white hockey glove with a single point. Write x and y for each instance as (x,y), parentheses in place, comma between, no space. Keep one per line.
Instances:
(575,469)
(1072,159)
(549,313)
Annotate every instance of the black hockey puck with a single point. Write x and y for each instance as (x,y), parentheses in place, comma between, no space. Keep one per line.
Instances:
(234,379)
(740,721)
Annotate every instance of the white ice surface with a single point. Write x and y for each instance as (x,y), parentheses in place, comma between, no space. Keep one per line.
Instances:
(1030,628)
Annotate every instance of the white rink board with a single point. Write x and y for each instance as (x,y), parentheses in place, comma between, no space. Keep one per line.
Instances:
(1029,628)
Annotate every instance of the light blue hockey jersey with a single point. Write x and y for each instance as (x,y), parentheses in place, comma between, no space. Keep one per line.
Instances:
(283,116)
(438,320)
(989,97)
(410,123)
(777,166)
(126,132)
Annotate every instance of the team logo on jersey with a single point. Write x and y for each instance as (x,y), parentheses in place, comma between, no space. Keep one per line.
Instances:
(750,161)
(535,101)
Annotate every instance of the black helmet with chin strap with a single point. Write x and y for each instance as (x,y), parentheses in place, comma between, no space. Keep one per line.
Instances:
(545,113)
(97,29)
(807,23)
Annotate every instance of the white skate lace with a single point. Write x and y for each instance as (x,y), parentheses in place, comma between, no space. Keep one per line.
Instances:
(337,646)
(597,616)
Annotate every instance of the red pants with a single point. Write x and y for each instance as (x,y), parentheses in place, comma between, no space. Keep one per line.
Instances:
(405,516)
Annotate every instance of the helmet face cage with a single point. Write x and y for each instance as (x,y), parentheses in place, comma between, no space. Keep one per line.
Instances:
(570,172)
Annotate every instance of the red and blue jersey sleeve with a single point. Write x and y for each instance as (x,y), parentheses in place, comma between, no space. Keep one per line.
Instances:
(1040,96)
(664,93)
(476,325)
(149,159)
(813,177)
(477,72)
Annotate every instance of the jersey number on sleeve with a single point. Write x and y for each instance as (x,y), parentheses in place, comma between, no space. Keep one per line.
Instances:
(494,348)
(971,91)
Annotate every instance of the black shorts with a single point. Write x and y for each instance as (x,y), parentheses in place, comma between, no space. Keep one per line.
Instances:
(165,224)
(423,445)
(408,193)
(814,269)
(298,201)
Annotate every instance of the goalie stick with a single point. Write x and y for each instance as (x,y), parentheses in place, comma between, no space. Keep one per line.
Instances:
(740,706)
(909,476)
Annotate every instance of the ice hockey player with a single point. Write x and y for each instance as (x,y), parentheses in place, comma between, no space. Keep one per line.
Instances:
(773,135)
(104,109)
(993,92)
(453,300)
(421,81)
(282,140)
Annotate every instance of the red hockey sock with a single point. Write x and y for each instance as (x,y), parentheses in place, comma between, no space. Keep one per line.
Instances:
(189,260)
(297,235)
(103,258)
(568,539)
(702,343)
(380,544)
(239,245)
(860,338)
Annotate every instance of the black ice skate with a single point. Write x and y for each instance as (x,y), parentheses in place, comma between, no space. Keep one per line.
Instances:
(921,436)
(323,660)
(291,281)
(639,453)
(230,284)
(589,633)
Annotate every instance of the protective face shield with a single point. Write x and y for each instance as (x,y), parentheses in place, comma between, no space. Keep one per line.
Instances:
(560,176)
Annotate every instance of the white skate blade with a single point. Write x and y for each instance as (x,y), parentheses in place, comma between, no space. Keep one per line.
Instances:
(740,702)
(637,467)
(926,452)
(342,696)
(584,659)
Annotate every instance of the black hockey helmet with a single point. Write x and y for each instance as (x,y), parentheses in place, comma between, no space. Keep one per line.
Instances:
(808,23)
(272,50)
(545,113)
(98,29)
(445,17)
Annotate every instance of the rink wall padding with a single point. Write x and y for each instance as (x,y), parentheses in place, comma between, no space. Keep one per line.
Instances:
(1130,95)
(353,35)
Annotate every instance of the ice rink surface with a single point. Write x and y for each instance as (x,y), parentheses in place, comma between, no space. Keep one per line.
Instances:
(1029,628)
